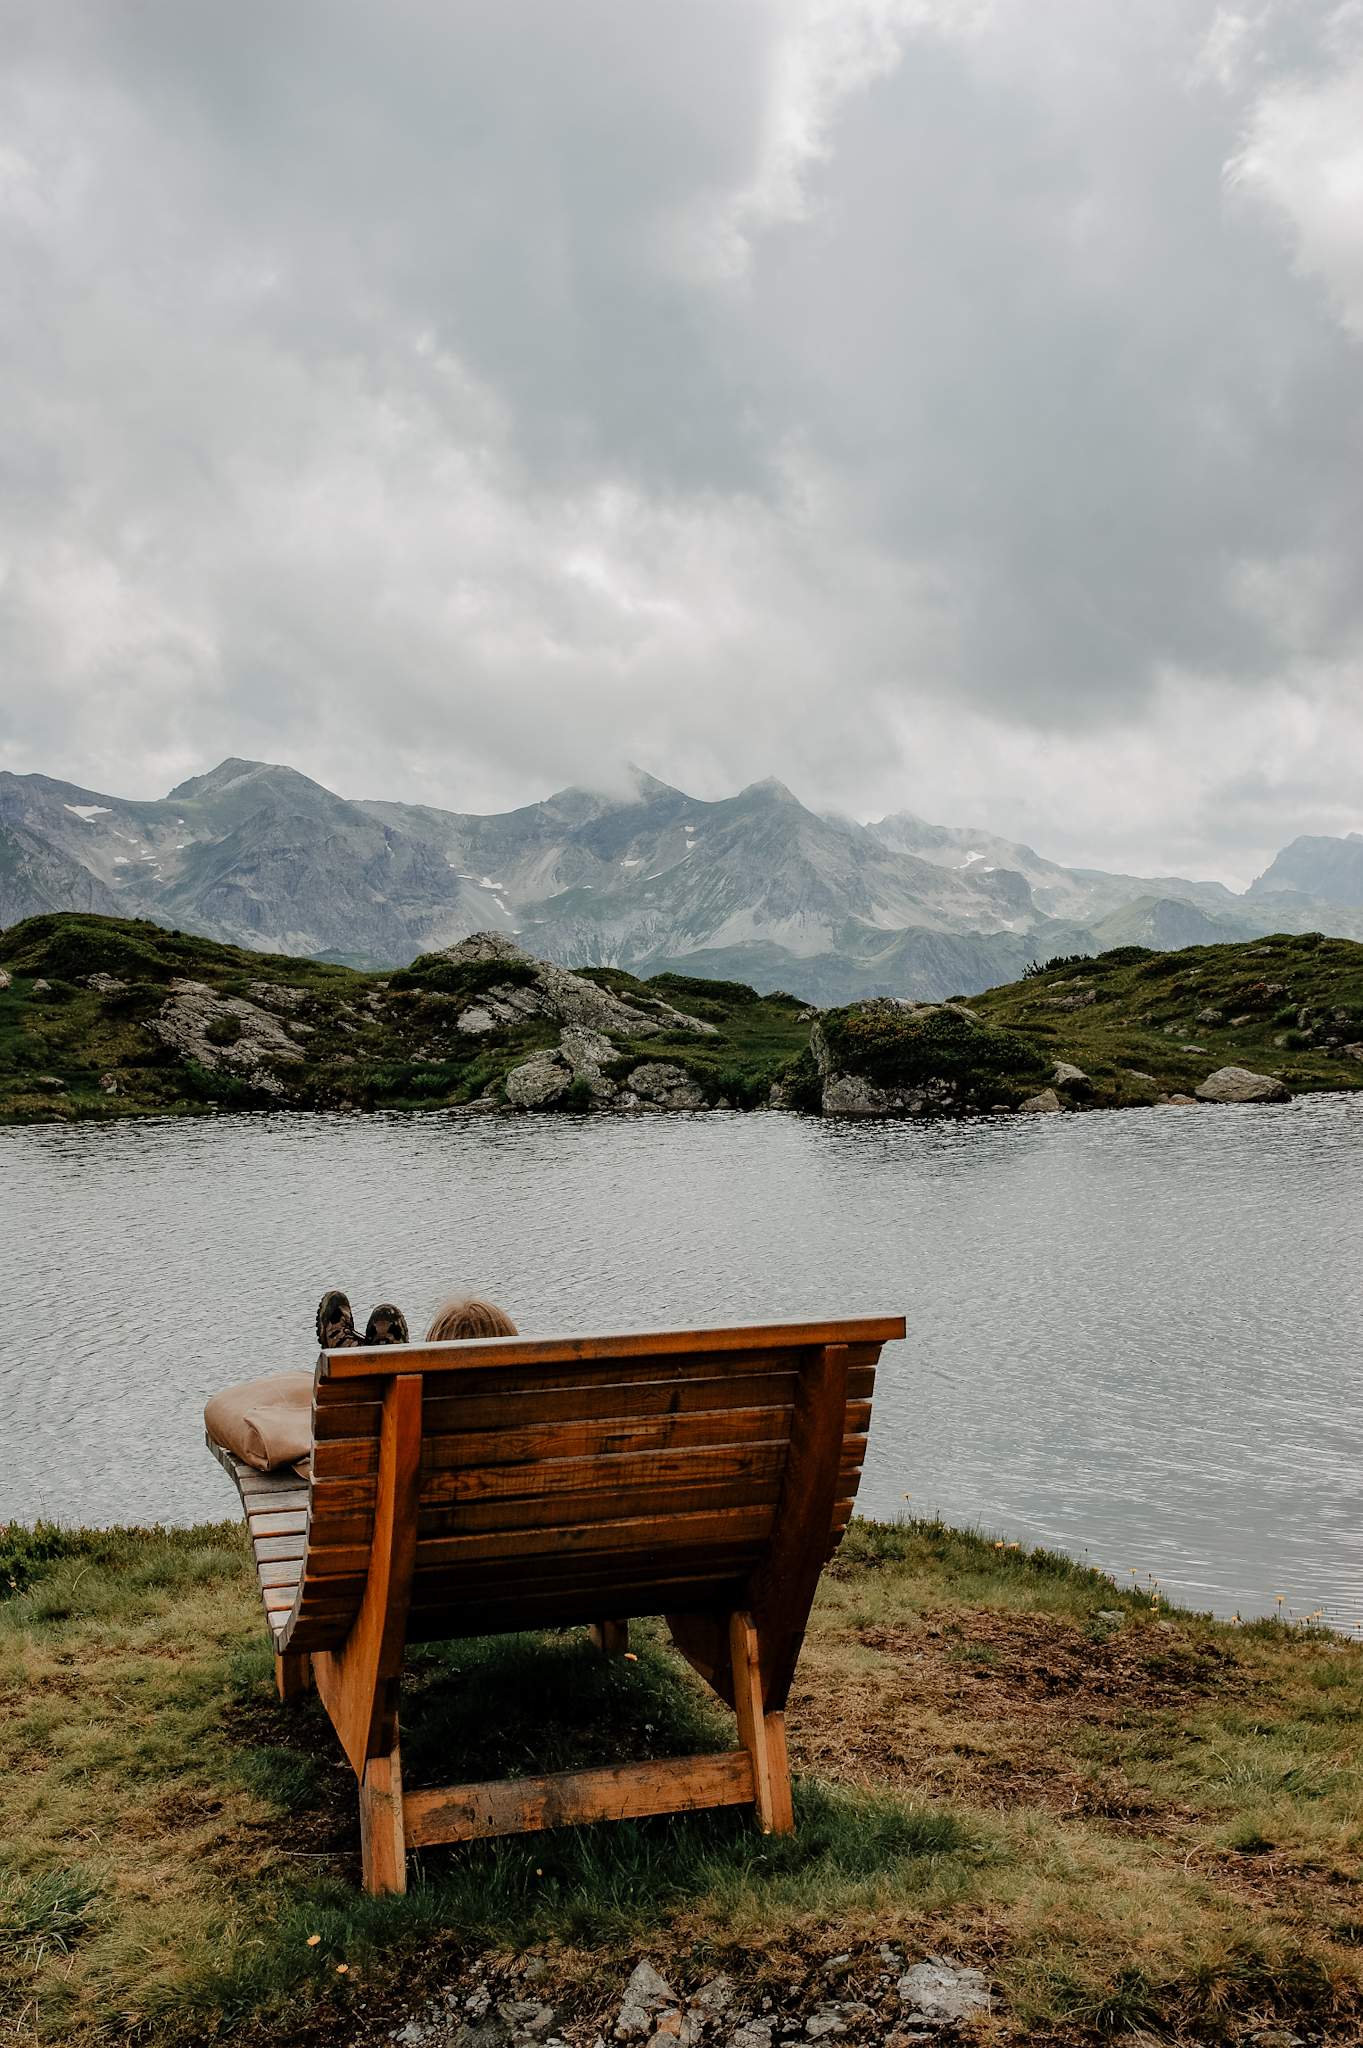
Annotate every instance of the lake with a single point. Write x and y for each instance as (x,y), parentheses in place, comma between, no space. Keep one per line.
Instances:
(1132,1335)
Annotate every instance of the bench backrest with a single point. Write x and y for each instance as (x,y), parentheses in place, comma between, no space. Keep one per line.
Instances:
(563,1479)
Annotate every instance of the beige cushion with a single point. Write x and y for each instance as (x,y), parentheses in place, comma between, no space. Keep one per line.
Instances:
(266,1422)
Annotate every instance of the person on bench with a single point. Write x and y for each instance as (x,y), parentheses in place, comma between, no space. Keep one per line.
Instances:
(267,1423)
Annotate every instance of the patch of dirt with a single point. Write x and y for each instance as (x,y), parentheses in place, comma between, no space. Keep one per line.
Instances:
(983,1705)
(991,1664)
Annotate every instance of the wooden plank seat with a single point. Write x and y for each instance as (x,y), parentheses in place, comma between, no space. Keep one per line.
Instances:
(508,1483)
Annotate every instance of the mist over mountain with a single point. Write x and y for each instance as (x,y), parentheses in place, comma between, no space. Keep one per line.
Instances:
(755,887)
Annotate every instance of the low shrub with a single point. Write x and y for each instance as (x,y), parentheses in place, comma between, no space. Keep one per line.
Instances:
(895,1049)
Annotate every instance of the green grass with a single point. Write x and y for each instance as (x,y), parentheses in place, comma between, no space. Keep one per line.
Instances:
(1146,1007)
(173,1836)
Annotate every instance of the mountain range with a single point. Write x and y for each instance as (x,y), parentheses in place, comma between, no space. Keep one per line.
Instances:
(754,888)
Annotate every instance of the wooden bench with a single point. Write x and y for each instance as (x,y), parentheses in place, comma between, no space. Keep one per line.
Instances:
(510,1483)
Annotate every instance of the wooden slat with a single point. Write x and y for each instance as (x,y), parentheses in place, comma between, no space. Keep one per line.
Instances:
(564,1515)
(552,1481)
(640,1536)
(270,1547)
(262,1523)
(530,1441)
(284,1571)
(513,1806)
(507,1353)
(498,1408)
(328,1530)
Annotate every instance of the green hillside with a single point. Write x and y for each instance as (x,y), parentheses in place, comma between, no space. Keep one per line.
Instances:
(1138,1024)
(349,1040)
(1158,1023)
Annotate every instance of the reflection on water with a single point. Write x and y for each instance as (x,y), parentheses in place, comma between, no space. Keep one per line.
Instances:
(1130,1334)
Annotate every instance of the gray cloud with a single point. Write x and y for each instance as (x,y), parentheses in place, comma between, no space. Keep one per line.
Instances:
(938,405)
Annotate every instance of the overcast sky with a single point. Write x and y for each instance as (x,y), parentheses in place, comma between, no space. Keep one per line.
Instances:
(941,406)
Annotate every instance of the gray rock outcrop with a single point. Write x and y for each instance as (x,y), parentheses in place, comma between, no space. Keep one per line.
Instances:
(660,1085)
(556,993)
(1041,1104)
(191,1008)
(1238,1084)
(853,1095)
(1066,1076)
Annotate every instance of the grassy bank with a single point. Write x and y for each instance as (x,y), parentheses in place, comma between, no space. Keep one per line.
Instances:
(69,1051)
(1137,1025)
(1128,1816)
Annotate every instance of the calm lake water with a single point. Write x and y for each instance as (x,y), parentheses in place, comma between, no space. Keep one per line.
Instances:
(1131,1335)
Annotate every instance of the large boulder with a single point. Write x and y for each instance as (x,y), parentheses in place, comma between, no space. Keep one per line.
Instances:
(660,1085)
(1041,1104)
(540,1083)
(243,1035)
(555,993)
(853,1095)
(1238,1084)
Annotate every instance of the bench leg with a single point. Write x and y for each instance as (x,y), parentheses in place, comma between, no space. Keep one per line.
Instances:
(293,1675)
(383,1843)
(611,1638)
(762,1735)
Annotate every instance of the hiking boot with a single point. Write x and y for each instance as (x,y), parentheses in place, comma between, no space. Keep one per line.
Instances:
(335,1324)
(386,1325)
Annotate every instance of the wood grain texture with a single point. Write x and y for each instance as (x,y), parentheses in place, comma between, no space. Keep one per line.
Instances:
(506,1353)
(383,1846)
(782,1588)
(358,1682)
(515,1806)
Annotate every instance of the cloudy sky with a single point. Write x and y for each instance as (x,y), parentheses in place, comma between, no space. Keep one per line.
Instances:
(950,405)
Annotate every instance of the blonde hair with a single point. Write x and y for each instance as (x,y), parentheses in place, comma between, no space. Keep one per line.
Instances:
(468,1315)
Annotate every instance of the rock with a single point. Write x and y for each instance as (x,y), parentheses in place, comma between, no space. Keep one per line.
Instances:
(109,1083)
(1078,1001)
(756,2034)
(1110,1614)
(489,2032)
(939,1990)
(4,980)
(1176,1102)
(1137,1075)
(106,984)
(820,2023)
(484,946)
(1046,1101)
(1238,1084)
(1209,1017)
(645,1994)
(777,1098)
(716,1995)
(557,993)
(1236,1022)
(853,1095)
(42,988)
(543,1080)
(1067,1076)
(1351,1052)
(282,995)
(51,1082)
(190,1009)
(666,1086)
(526,2019)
